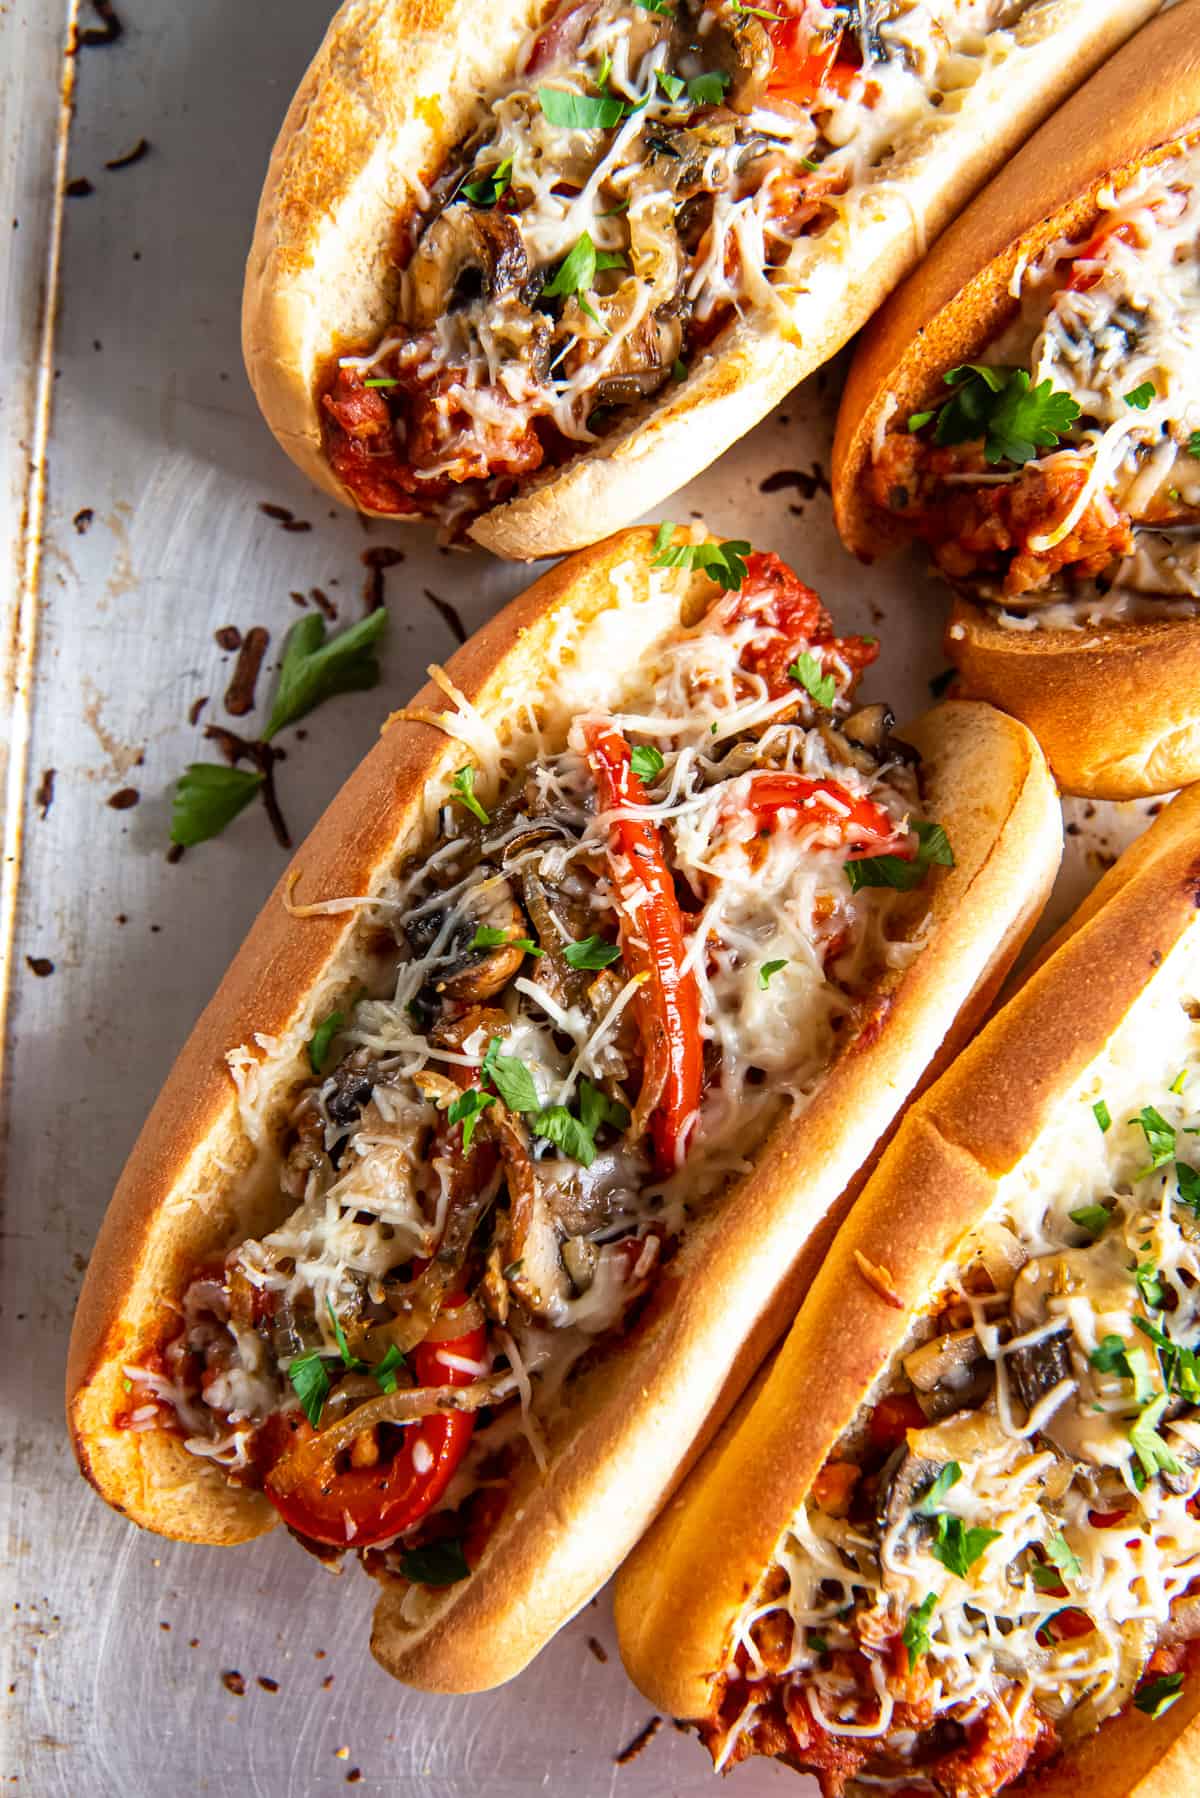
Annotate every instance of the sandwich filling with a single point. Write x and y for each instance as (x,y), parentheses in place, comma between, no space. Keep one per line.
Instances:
(645,178)
(1003,1549)
(1060,482)
(626,958)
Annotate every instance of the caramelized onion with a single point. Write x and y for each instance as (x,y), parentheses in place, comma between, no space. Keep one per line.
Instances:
(307,1460)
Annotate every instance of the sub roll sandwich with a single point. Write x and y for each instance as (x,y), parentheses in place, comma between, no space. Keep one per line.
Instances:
(1027,407)
(523,271)
(952,1545)
(476,1194)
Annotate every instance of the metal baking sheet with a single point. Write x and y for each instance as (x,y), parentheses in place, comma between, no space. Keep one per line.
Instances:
(133,475)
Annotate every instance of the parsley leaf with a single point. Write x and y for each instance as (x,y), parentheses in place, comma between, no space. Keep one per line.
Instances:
(1193,448)
(1149,1447)
(662,7)
(207,798)
(936,1491)
(580,112)
(933,847)
(708,89)
(646,761)
(322,1040)
(768,968)
(1180,1365)
(1188,1184)
(1102,1115)
(1142,1375)
(750,12)
(464,791)
(1141,396)
(596,1108)
(723,562)
(671,85)
(467,1110)
(1108,1356)
(1048,1579)
(384,1372)
(1001,405)
(1095,1219)
(1160,1138)
(1149,1284)
(349,1361)
(435,1563)
(488,189)
(957,1547)
(591,952)
(806,671)
(311,1383)
(315,669)
(488,936)
(567,1133)
(918,420)
(915,1634)
(578,269)
(510,1077)
(1158,1695)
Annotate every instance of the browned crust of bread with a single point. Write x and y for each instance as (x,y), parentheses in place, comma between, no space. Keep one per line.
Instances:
(651,1403)
(386,98)
(680,1590)
(1114,707)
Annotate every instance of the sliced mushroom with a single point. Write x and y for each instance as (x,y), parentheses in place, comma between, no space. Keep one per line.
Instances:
(869,727)
(417,1304)
(464,253)
(902,1484)
(586,1200)
(353,1082)
(949,1372)
(580,1258)
(467,974)
(1039,1367)
(536,1276)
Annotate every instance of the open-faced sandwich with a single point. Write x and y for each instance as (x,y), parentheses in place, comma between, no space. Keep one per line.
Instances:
(482,1184)
(526,269)
(953,1542)
(1028,407)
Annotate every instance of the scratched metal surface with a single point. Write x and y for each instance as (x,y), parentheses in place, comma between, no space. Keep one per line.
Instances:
(155,468)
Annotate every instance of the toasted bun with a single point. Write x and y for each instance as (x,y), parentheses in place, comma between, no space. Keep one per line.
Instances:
(385,100)
(681,1589)
(1114,707)
(205,1169)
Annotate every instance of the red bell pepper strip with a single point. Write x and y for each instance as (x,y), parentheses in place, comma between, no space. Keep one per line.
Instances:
(864,825)
(651,931)
(790,620)
(352,1507)
(805,66)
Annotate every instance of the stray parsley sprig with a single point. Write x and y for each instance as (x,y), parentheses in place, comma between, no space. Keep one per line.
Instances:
(768,969)
(513,1081)
(722,562)
(464,791)
(488,937)
(957,1547)
(1158,1695)
(591,952)
(646,761)
(933,850)
(310,1376)
(915,1634)
(489,188)
(316,667)
(208,797)
(1003,407)
(806,672)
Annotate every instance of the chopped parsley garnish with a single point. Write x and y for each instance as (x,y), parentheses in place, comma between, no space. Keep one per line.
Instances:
(679,369)
(350,1362)
(489,188)
(467,1110)
(818,1644)
(1102,1115)
(936,1491)
(1193,448)
(1149,1283)
(311,1384)
(1048,1579)
(1160,1138)
(671,85)
(722,562)
(1187,1180)
(510,1077)
(567,1133)
(806,672)
(464,791)
(918,420)
(207,798)
(315,669)
(1152,1452)
(663,7)
(1141,396)
(489,937)
(596,1108)
(646,761)
(1064,1558)
(750,12)
(322,1039)
(1180,1366)
(708,89)
(381,381)
(580,112)
(1141,1372)
(1003,407)
(384,1372)
(591,952)
(768,968)
(915,1634)
(1095,1219)
(933,847)
(1158,1695)
(578,270)
(957,1547)
(1180,1081)
(1108,1356)
(435,1563)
